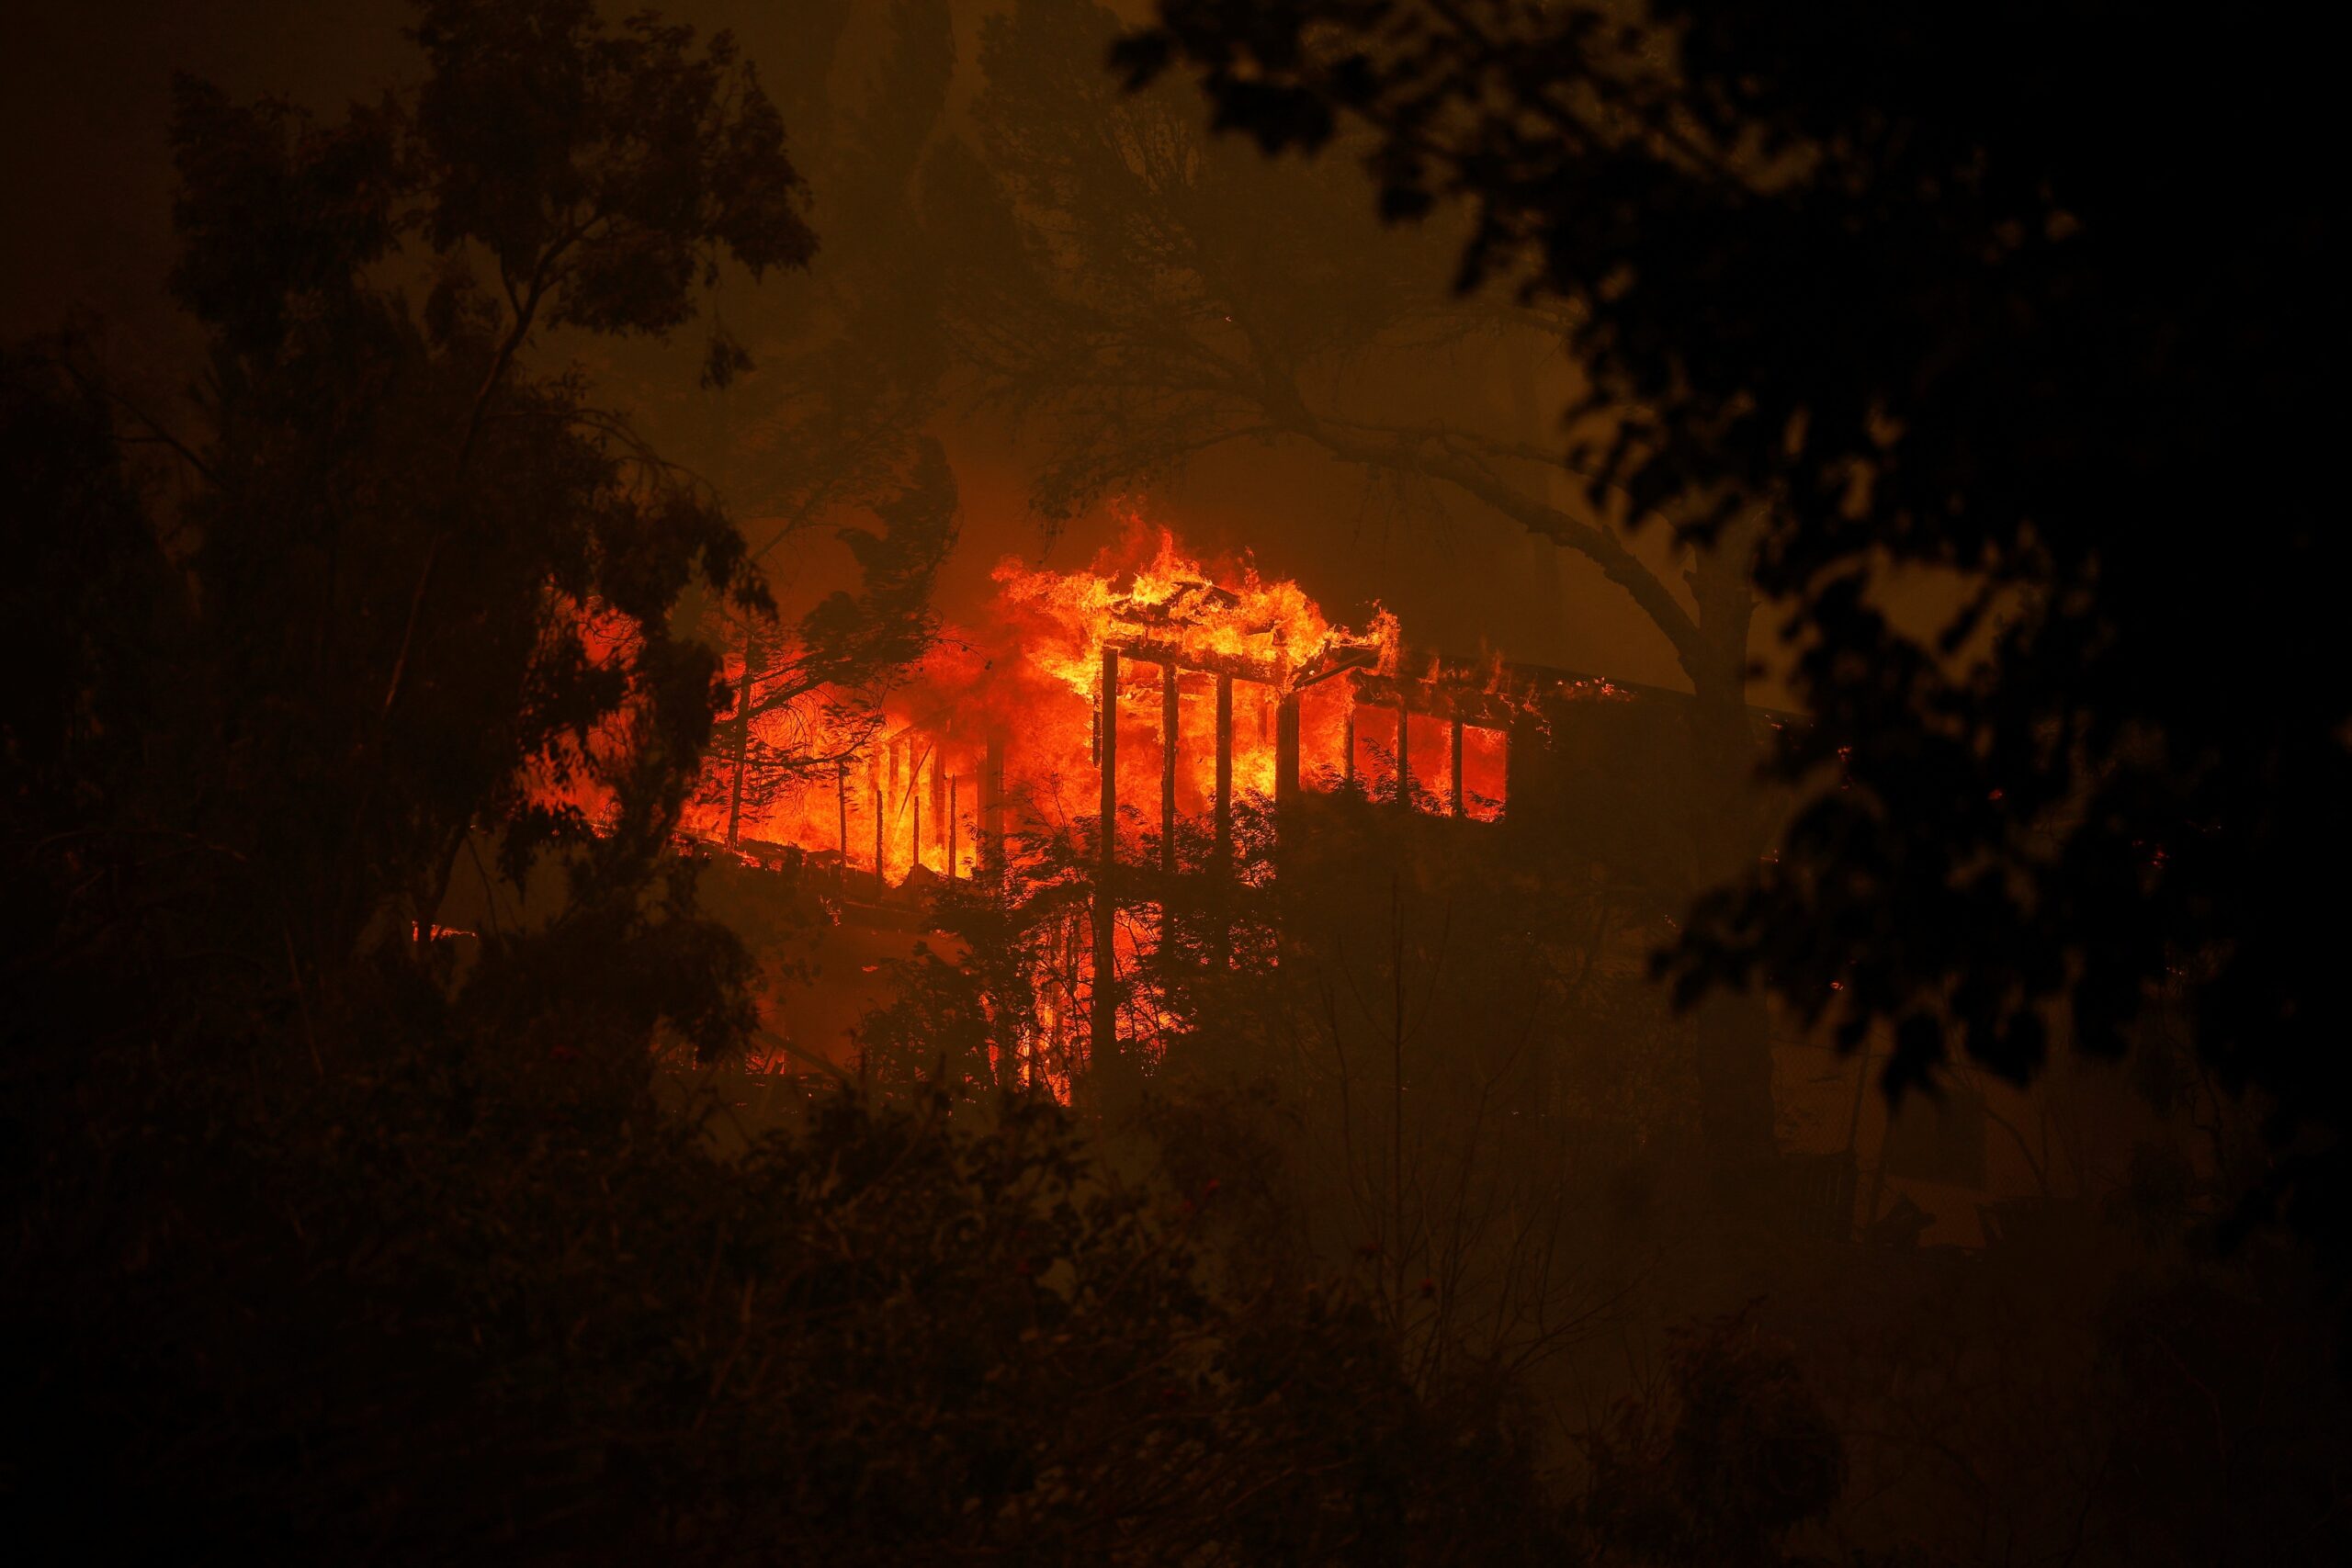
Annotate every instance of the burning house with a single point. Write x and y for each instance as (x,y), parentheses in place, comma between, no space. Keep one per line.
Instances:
(1120,753)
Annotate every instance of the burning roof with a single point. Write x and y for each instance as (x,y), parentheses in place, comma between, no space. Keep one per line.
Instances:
(1022,693)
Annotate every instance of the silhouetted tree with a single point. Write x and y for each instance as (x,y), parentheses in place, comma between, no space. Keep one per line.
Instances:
(406,538)
(1145,294)
(816,394)
(328,1240)
(808,695)
(1961,294)
(1721,1464)
(810,411)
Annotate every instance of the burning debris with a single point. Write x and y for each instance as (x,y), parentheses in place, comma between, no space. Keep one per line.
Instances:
(1105,760)
(1106,754)
(1159,692)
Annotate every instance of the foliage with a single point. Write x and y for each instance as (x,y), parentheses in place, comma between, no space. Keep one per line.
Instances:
(2103,1391)
(430,588)
(818,426)
(1412,1061)
(1961,296)
(332,1236)
(1735,1453)
(536,1330)
(846,357)
(809,699)
(1158,294)
(1144,294)
(938,1036)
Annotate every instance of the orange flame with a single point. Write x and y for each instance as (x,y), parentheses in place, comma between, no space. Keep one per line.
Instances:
(1032,672)
(999,731)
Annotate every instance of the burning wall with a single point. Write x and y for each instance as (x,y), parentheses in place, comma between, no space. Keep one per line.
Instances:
(1227,694)
(1002,731)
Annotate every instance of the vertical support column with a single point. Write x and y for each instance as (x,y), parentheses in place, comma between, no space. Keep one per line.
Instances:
(1168,740)
(1286,750)
(939,823)
(951,826)
(914,812)
(1404,759)
(991,844)
(1221,866)
(1224,775)
(742,752)
(1168,723)
(1102,1041)
(1453,774)
(1106,754)
(1285,811)
(1517,762)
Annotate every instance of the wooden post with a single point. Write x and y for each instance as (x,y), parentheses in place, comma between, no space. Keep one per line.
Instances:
(951,825)
(1286,750)
(880,884)
(1221,870)
(991,824)
(840,805)
(939,799)
(1106,755)
(1167,732)
(1224,775)
(742,752)
(1285,814)
(1102,1038)
(914,811)
(1453,785)
(1168,723)
(1403,760)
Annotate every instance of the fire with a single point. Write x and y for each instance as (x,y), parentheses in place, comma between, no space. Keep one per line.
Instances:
(913,795)
(1269,638)
(1176,604)
(1226,692)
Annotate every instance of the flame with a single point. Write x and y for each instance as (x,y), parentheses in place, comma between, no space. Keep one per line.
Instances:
(1032,670)
(1000,730)
(1173,602)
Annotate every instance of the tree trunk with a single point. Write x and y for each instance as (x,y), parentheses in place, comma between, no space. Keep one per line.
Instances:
(1735,1048)
(742,752)
(1735,1064)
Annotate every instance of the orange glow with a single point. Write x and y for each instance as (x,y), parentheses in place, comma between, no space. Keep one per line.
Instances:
(1031,675)
(846,782)
(1032,672)
(1485,758)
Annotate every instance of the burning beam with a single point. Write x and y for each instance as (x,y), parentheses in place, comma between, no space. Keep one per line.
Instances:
(1453,771)
(1168,724)
(1403,760)
(1010,705)
(1222,868)
(992,807)
(1286,751)
(1224,775)
(1103,1035)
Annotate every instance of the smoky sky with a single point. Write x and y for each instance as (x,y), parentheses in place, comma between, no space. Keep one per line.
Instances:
(86,190)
